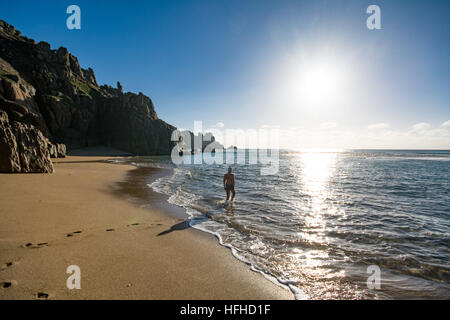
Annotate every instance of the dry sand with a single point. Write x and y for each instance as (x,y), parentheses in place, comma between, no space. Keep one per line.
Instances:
(69,212)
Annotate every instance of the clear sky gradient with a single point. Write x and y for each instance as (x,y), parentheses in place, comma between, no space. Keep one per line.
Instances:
(311,68)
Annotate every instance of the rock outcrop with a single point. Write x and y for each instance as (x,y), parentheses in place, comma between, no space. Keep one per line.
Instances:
(9,159)
(23,148)
(49,102)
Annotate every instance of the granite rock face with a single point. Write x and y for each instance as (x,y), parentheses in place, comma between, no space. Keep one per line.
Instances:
(48,101)
(129,122)
(23,147)
(32,149)
(9,159)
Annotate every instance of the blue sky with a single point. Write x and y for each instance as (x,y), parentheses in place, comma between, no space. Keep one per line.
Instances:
(242,63)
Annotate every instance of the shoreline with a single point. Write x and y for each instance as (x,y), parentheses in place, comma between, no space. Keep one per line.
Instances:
(125,250)
(145,196)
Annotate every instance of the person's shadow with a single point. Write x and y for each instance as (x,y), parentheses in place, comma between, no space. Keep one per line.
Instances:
(186,224)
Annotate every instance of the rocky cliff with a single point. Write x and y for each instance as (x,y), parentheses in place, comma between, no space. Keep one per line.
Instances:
(48,102)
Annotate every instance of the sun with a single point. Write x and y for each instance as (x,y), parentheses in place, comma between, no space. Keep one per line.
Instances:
(317,85)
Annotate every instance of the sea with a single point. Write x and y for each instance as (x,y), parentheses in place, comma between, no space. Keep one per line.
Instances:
(328,224)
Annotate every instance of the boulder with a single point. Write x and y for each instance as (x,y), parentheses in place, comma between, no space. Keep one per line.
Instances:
(32,149)
(57,150)
(61,150)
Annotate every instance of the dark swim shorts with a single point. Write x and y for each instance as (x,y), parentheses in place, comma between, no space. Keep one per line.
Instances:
(229,187)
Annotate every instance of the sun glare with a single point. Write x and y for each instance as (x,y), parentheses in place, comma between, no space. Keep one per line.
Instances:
(317,85)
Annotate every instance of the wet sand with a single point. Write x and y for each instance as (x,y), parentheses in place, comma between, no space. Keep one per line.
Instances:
(127,240)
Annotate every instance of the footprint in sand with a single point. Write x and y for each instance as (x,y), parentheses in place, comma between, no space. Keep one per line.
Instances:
(42,295)
(149,226)
(133,224)
(8,284)
(7,265)
(39,245)
(73,233)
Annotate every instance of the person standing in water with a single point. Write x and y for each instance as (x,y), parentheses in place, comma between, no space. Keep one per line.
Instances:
(228,184)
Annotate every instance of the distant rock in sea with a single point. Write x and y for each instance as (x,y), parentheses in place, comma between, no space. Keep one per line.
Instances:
(48,102)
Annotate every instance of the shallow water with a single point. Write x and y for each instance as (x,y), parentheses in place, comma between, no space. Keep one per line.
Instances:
(325,217)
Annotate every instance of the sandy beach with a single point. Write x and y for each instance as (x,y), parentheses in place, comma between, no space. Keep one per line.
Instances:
(79,216)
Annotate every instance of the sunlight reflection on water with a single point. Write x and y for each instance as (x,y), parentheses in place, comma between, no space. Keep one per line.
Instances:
(327,215)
